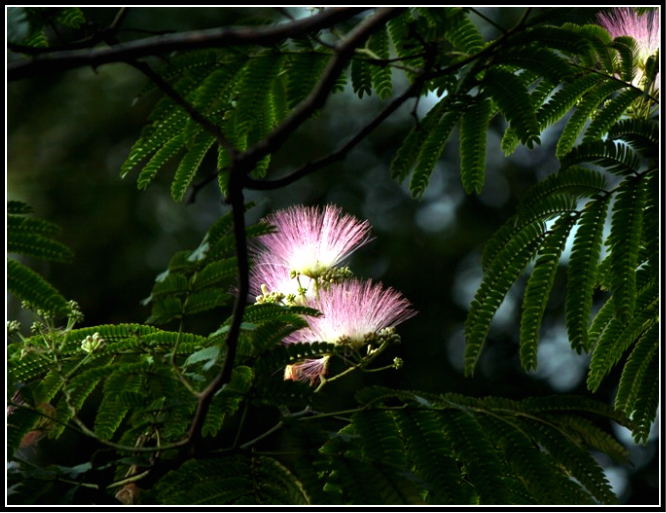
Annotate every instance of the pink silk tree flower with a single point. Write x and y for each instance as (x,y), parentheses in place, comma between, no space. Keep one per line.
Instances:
(310,241)
(644,29)
(353,313)
(309,370)
(274,283)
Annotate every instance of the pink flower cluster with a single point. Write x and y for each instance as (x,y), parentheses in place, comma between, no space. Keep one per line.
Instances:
(644,29)
(300,263)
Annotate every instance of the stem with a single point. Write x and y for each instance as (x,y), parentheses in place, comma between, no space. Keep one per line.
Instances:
(127,480)
(341,153)
(236,200)
(272,430)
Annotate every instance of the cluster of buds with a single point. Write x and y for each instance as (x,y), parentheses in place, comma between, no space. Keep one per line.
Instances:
(90,344)
(75,315)
(300,263)
(13,327)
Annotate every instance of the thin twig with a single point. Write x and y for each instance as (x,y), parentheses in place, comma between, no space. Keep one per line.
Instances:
(317,97)
(342,152)
(191,111)
(487,20)
(272,430)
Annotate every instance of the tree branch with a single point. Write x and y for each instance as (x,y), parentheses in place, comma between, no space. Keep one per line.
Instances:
(236,200)
(317,97)
(65,60)
(342,152)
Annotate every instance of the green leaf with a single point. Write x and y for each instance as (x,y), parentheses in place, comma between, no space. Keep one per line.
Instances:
(642,135)
(461,32)
(635,370)
(205,299)
(589,435)
(304,71)
(511,96)
(499,277)
(214,273)
(114,406)
(381,74)
(531,466)
(538,289)
(473,129)
(428,448)
(626,47)
(29,286)
(406,157)
(79,389)
(540,60)
(165,310)
(565,39)
(361,77)
(163,131)
(71,17)
(572,457)
(623,242)
(190,165)
(18,207)
(430,151)
(600,40)
(379,437)
(583,263)
(573,182)
(470,444)
(255,84)
(618,335)
(19,422)
(616,157)
(34,244)
(228,400)
(563,100)
(611,112)
(406,47)
(159,159)
(247,480)
(583,113)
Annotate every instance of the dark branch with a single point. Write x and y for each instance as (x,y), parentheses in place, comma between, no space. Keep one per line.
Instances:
(317,97)
(123,52)
(342,152)
(236,200)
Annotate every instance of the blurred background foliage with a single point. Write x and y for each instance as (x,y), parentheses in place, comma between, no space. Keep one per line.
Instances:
(69,133)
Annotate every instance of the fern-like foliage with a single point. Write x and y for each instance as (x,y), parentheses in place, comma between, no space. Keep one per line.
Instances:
(534,80)
(463,450)
(247,480)
(140,390)
(32,237)
(473,145)
(27,25)
(607,164)
(195,281)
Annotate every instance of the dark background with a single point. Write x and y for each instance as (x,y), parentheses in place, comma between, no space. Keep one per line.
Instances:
(68,134)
